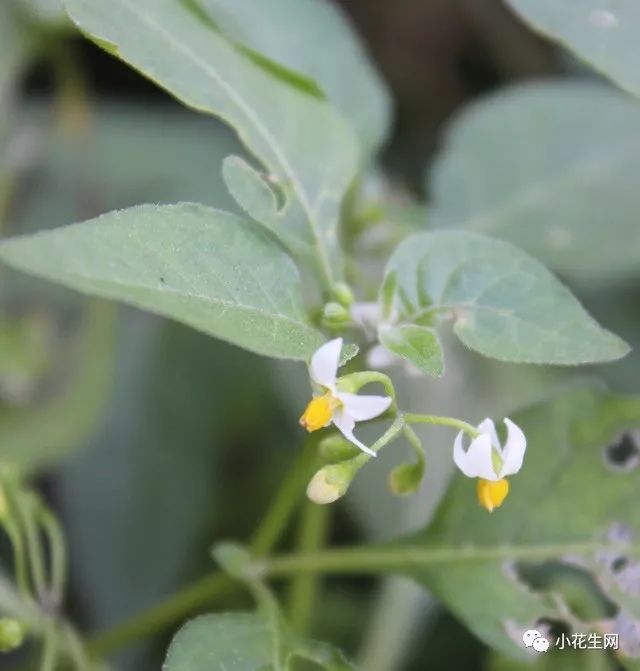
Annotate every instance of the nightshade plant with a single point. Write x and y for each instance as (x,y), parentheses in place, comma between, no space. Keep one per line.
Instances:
(283,275)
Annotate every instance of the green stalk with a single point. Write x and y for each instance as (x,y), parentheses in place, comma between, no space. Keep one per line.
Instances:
(313,531)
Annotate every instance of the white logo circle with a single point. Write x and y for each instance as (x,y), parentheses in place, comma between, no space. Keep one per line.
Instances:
(532,638)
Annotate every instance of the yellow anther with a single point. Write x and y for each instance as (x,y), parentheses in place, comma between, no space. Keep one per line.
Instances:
(491,494)
(319,412)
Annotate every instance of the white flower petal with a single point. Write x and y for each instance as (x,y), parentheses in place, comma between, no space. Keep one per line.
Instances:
(362,408)
(514,449)
(476,461)
(324,363)
(487,426)
(345,424)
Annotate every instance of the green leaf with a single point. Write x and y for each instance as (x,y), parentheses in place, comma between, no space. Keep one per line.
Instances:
(417,344)
(243,642)
(564,189)
(570,515)
(504,304)
(605,34)
(238,641)
(303,144)
(315,40)
(209,269)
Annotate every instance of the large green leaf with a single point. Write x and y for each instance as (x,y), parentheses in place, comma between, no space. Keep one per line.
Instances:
(305,146)
(564,547)
(313,39)
(504,304)
(551,167)
(212,270)
(604,34)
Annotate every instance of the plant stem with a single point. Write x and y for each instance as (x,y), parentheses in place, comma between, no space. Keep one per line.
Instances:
(182,603)
(313,528)
(287,498)
(387,559)
(415,418)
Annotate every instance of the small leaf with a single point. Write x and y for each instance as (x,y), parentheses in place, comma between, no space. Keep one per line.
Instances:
(348,352)
(251,191)
(505,304)
(603,34)
(417,344)
(212,270)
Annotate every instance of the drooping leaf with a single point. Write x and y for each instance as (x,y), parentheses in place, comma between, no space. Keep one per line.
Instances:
(564,545)
(417,344)
(604,34)
(304,145)
(313,39)
(505,304)
(212,270)
(550,167)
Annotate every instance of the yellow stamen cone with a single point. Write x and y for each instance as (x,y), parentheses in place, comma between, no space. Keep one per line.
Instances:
(491,494)
(318,413)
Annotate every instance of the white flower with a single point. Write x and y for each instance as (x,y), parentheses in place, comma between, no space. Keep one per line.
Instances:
(332,405)
(487,460)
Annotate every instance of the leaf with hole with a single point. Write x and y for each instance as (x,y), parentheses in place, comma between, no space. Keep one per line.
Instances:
(564,546)
(505,304)
(214,271)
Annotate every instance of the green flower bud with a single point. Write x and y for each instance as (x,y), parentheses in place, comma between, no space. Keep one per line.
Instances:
(335,316)
(343,294)
(12,634)
(405,479)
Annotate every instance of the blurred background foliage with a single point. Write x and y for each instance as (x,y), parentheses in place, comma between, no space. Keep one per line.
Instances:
(101,404)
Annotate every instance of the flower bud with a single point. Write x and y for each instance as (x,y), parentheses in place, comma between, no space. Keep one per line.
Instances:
(343,294)
(335,316)
(12,634)
(332,482)
(405,479)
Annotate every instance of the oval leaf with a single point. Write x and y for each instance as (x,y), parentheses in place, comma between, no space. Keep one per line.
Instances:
(603,34)
(212,270)
(506,305)
(567,193)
